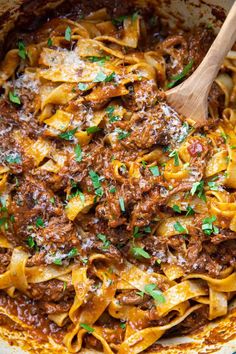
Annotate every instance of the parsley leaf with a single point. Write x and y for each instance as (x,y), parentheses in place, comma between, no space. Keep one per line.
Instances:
(22,50)
(176,208)
(178,227)
(31,242)
(112,189)
(155,293)
(140,252)
(82,86)
(122,204)
(87,327)
(198,188)
(78,153)
(103,238)
(68,34)
(208,227)
(119,20)
(123,325)
(136,232)
(110,111)
(155,171)
(102,77)
(96,183)
(121,134)
(13,157)
(213,186)
(49,42)
(39,222)
(69,135)
(14,98)
(175,79)
(175,155)
(57,261)
(100,60)
(93,129)
(190,211)
(73,252)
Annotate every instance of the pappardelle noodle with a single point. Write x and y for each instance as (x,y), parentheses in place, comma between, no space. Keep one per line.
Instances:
(118,217)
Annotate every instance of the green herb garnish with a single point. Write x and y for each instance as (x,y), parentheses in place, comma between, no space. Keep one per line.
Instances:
(178,227)
(87,327)
(175,155)
(39,222)
(155,171)
(140,252)
(208,227)
(82,86)
(122,204)
(155,293)
(69,135)
(93,129)
(68,34)
(14,98)
(103,238)
(22,50)
(13,158)
(176,209)
(177,78)
(78,153)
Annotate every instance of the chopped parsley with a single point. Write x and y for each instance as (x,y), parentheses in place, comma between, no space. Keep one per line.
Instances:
(176,209)
(69,135)
(190,211)
(14,98)
(121,134)
(180,228)
(78,153)
(95,178)
(122,204)
(93,129)
(155,293)
(13,158)
(177,78)
(87,327)
(198,188)
(213,186)
(102,77)
(82,86)
(112,189)
(110,111)
(136,232)
(73,252)
(22,50)
(31,242)
(57,261)
(175,155)
(208,227)
(39,222)
(100,60)
(140,252)
(49,42)
(123,325)
(52,200)
(103,238)
(119,20)
(68,34)
(155,171)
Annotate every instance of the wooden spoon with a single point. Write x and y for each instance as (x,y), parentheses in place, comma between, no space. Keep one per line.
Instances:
(190,97)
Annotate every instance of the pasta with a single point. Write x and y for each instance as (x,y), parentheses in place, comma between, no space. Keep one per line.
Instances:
(118,216)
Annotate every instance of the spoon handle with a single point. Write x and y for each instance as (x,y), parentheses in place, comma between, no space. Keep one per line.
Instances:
(209,67)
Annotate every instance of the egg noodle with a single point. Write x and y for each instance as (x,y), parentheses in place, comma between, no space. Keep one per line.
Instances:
(88,159)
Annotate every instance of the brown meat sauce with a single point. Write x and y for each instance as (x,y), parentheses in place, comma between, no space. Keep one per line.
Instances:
(32,193)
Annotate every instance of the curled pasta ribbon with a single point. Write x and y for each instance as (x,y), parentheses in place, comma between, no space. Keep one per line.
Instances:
(221,285)
(141,340)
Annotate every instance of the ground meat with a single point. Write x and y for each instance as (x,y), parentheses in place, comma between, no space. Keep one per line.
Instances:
(5,256)
(130,297)
(51,308)
(51,291)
